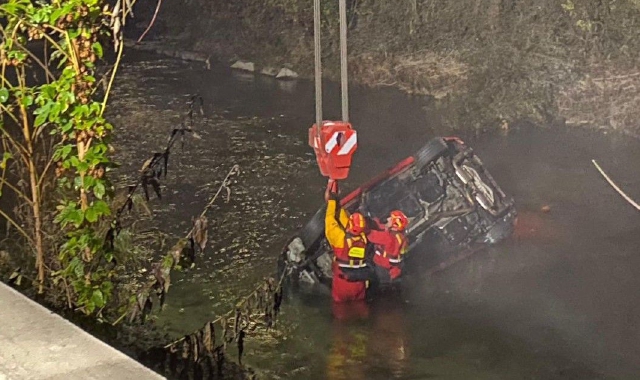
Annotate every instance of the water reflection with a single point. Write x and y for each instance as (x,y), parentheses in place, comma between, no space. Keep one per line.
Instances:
(368,340)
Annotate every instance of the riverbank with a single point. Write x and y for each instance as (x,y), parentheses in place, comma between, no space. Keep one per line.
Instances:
(548,62)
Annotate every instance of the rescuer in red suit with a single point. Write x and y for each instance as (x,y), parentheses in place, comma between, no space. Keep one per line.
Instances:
(390,244)
(346,235)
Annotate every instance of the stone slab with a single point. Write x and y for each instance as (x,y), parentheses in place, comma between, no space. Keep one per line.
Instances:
(36,343)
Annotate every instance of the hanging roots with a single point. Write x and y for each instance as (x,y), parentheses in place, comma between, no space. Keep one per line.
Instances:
(204,352)
(185,248)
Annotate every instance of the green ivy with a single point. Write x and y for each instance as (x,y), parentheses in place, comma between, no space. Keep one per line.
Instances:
(67,109)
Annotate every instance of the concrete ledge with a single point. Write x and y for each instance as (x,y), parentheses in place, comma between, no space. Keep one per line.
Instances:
(38,344)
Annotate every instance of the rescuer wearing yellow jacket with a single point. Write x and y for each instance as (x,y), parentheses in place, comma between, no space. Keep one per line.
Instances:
(346,235)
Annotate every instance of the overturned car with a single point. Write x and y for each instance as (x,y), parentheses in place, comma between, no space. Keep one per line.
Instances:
(452,202)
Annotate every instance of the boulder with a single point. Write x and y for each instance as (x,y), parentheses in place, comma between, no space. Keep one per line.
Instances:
(270,71)
(286,74)
(246,66)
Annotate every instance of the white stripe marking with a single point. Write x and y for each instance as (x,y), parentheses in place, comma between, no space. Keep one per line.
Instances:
(333,141)
(348,146)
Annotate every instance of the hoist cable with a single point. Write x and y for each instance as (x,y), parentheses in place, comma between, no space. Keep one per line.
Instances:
(343,61)
(318,64)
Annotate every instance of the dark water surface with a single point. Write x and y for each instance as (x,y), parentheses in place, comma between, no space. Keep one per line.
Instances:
(558,300)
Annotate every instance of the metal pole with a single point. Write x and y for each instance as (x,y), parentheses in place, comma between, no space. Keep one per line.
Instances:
(318,63)
(343,60)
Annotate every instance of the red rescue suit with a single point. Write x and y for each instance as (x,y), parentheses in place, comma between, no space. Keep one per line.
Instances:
(390,247)
(349,265)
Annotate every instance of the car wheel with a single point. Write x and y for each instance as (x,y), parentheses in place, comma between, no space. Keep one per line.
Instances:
(314,229)
(433,150)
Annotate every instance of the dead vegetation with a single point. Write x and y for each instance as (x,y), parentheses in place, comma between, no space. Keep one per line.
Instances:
(422,73)
(206,353)
(501,60)
(183,251)
(606,97)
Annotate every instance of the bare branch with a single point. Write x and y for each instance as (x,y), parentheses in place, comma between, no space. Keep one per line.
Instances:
(615,187)
(17,226)
(38,61)
(153,19)
(225,185)
(113,75)
(22,195)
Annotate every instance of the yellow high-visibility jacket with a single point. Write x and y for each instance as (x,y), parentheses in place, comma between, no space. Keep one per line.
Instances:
(334,228)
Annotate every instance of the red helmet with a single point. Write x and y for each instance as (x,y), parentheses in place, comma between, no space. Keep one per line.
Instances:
(356,224)
(398,220)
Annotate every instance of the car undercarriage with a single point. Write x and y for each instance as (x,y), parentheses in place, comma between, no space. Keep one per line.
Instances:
(451,200)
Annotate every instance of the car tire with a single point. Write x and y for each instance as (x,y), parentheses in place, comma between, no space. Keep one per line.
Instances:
(431,151)
(314,229)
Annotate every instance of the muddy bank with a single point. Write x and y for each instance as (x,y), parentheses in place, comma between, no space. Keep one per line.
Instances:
(493,60)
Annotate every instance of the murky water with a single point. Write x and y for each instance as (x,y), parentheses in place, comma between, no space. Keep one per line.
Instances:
(559,300)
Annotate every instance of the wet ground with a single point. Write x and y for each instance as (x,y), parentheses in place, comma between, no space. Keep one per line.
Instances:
(558,300)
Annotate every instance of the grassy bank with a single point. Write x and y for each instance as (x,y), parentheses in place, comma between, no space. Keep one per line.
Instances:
(551,61)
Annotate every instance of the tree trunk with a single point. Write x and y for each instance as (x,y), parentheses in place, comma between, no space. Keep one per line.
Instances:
(35,198)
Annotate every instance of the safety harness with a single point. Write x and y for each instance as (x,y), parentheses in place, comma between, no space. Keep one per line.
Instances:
(356,247)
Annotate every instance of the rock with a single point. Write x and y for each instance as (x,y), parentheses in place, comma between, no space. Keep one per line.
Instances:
(546,208)
(246,66)
(192,56)
(286,74)
(270,71)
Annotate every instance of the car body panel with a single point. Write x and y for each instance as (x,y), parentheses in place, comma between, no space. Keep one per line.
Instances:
(451,200)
